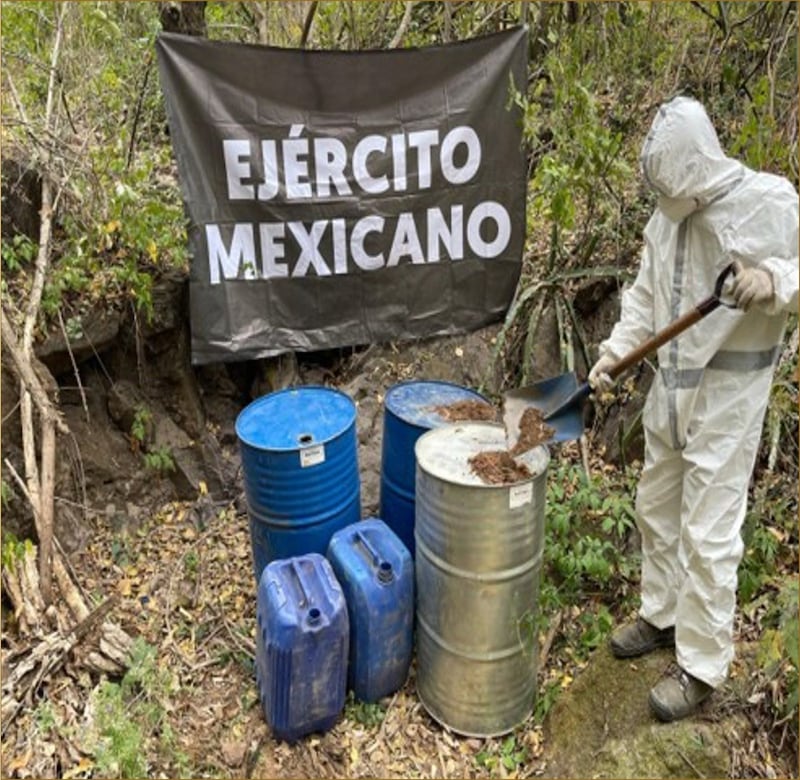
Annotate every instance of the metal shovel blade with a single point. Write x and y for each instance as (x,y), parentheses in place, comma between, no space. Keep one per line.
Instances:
(560,398)
(560,401)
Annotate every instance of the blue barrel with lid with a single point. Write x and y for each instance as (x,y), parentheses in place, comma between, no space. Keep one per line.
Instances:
(300,466)
(410,409)
(301,646)
(376,573)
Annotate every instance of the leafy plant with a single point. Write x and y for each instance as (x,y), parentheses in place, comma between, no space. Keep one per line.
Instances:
(140,427)
(369,714)
(17,252)
(160,460)
(6,493)
(191,561)
(778,650)
(45,718)
(586,525)
(14,549)
(769,534)
(120,751)
(132,714)
(509,755)
(546,698)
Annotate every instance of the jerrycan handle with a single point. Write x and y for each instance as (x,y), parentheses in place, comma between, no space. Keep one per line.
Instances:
(313,614)
(384,567)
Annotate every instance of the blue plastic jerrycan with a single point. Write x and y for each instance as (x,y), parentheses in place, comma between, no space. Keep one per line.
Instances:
(302,646)
(376,573)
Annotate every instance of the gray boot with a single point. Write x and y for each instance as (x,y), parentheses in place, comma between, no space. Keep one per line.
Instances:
(677,694)
(640,637)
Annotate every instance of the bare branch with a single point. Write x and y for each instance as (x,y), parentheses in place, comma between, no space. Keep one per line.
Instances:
(74,364)
(312,9)
(43,255)
(26,374)
(401,30)
(48,489)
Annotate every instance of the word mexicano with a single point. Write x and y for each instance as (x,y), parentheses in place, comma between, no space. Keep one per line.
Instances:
(299,169)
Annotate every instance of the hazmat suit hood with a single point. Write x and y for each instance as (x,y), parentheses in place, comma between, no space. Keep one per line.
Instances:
(682,159)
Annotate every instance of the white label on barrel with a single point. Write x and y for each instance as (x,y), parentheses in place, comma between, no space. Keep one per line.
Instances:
(519,495)
(311,456)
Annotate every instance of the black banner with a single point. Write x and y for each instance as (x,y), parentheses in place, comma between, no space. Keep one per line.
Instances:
(341,198)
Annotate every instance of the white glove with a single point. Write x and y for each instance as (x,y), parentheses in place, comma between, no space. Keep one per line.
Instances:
(598,376)
(752,285)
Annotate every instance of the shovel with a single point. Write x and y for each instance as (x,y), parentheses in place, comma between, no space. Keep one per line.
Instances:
(560,399)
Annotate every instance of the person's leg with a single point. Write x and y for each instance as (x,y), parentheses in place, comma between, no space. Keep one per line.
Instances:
(720,458)
(721,447)
(658,510)
(658,503)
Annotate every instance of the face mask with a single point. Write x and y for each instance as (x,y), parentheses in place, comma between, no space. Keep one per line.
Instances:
(677,209)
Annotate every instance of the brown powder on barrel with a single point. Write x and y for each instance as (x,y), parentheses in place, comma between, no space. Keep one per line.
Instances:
(461,411)
(497,467)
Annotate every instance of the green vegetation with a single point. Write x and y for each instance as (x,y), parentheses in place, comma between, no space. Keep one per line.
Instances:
(5,493)
(587,521)
(369,714)
(140,427)
(14,549)
(160,460)
(510,756)
(131,715)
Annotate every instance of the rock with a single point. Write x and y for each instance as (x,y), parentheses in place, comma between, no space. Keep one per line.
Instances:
(21,200)
(127,404)
(17,514)
(602,727)
(70,526)
(89,335)
(9,408)
(170,306)
(104,472)
(276,373)
(545,357)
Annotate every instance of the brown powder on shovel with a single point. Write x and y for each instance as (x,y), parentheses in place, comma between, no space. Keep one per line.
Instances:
(498,467)
(533,431)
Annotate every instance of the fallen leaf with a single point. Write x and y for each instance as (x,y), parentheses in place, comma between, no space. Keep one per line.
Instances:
(84,765)
(233,752)
(20,762)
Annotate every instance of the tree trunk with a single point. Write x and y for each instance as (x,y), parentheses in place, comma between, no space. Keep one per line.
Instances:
(187,18)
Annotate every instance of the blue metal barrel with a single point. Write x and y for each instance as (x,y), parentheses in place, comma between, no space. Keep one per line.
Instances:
(300,467)
(301,646)
(409,411)
(376,573)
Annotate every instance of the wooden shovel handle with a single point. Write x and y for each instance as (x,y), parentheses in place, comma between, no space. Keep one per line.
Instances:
(703,308)
(662,337)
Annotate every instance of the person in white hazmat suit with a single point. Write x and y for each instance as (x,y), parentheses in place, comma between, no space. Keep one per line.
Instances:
(705,410)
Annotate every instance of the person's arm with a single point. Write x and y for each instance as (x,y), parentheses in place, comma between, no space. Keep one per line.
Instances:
(771,284)
(635,323)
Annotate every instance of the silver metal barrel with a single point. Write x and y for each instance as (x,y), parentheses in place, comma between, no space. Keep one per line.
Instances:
(479,557)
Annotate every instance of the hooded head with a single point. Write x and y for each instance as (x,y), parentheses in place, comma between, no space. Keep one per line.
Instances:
(682,159)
